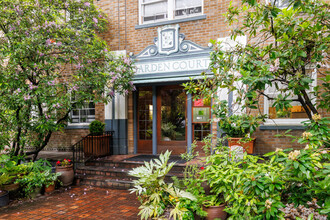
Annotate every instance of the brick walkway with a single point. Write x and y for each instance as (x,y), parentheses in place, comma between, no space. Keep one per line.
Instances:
(76,203)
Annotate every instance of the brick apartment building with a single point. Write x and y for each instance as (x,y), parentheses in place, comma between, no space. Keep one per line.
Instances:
(170,42)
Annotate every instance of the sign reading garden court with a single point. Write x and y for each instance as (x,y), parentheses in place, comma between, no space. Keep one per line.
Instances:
(174,65)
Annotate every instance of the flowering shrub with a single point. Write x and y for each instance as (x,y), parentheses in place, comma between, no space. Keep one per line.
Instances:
(64,163)
(255,188)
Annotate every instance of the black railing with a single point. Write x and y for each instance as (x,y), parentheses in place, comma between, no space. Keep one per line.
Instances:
(91,147)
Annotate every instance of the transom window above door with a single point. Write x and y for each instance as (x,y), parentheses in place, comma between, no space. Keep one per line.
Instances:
(161,10)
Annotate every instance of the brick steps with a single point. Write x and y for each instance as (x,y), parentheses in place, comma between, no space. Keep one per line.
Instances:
(110,174)
(105,182)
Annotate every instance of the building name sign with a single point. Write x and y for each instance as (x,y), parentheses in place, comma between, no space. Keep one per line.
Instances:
(186,64)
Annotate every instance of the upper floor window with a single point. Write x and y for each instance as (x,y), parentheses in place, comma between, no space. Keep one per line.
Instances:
(160,10)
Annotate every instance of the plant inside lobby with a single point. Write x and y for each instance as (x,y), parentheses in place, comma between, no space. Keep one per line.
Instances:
(52,61)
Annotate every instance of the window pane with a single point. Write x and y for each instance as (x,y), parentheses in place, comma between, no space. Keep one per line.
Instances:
(145,111)
(296,111)
(85,114)
(187,7)
(187,3)
(173,114)
(155,11)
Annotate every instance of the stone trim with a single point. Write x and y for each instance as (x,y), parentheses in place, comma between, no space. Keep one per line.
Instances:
(175,21)
(267,127)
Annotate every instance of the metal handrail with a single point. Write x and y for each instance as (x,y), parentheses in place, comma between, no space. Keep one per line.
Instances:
(84,149)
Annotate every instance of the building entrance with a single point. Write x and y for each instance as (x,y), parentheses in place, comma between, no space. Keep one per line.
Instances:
(171,119)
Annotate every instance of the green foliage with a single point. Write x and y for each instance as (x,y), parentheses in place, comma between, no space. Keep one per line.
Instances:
(39,174)
(157,197)
(242,125)
(254,188)
(96,128)
(50,178)
(52,61)
(286,47)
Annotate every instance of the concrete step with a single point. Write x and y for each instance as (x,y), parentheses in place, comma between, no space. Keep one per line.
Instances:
(127,164)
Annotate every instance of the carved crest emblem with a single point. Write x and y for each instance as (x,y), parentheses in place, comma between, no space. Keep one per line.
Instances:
(168,39)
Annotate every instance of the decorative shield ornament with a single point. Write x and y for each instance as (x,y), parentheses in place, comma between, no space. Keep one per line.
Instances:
(168,39)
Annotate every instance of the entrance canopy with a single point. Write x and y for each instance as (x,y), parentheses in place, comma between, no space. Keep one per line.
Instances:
(171,58)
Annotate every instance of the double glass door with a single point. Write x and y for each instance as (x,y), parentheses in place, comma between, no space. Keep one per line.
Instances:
(171,119)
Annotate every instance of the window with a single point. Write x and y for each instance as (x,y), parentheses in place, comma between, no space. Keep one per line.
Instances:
(85,114)
(290,116)
(280,3)
(160,10)
(201,118)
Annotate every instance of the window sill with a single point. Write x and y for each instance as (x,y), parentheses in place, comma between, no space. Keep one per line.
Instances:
(283,124)
(77,126)
(174,21)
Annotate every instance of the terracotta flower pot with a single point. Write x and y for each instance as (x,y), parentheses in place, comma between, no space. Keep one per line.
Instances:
(216,212)
(67,174)
(4,198)
(248,146)
(50,188)
(10,187)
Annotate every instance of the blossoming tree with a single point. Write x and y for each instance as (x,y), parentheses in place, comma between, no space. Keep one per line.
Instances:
(52,61)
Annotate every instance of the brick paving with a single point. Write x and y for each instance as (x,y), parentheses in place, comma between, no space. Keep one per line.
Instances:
(76,203)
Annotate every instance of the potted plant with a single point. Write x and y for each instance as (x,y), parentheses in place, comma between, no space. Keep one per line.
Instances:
(214,205)
(239,129)
(97,143)
(4,194)
(50,180)
(65,172)
(31,183)
(4,198)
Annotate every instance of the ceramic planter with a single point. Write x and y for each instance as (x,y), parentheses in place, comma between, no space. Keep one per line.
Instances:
(4,198)
(12,188)
(50,188)
(216,212)
(67,174)
(248,146)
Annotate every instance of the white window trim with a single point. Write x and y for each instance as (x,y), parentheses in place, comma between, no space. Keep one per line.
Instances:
(286,121)
(81,123)
(170,13)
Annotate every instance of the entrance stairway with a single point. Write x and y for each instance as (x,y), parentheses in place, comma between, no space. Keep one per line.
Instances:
(109,173)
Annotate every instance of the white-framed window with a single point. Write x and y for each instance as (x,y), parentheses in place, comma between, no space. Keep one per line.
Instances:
(280,3)
(83,115)
(290,116)
(151,11)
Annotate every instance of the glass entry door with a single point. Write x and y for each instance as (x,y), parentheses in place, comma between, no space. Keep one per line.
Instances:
(171,119)
(144,118)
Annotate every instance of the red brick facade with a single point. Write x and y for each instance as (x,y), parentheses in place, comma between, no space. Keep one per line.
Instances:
(123,35)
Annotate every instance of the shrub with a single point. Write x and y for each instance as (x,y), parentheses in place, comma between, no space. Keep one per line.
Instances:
(96,128)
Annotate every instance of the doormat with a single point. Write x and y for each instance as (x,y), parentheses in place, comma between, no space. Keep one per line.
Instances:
(141,158)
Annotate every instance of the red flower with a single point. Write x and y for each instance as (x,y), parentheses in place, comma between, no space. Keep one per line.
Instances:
(58,163)
(69,160)
(202,168)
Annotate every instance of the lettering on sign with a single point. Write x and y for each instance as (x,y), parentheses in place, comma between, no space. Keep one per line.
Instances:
(173,66)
